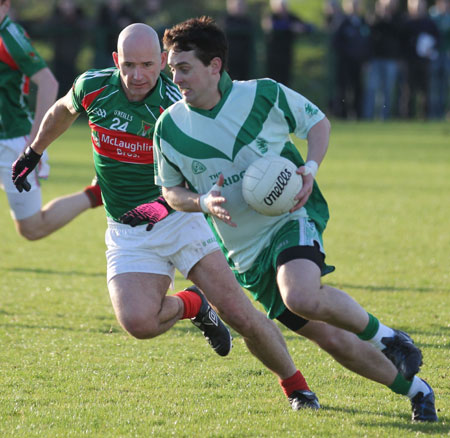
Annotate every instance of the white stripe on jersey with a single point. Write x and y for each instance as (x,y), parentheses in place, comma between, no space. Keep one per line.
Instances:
(173,93)
(105,97)
(18,37)
(99,73)
(150,111)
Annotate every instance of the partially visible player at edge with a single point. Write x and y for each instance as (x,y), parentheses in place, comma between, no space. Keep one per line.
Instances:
(20,63)
(218,129)
(123,104)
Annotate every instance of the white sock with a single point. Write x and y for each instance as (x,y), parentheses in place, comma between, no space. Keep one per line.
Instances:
(383,332)
(418,385)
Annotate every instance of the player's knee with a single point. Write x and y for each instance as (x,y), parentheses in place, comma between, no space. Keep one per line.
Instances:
(140,328)
(29,233)
(302,302)
(237,319)
(30,229)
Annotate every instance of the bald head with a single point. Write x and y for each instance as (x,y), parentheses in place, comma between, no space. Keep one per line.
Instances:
(139,60)
(138,34)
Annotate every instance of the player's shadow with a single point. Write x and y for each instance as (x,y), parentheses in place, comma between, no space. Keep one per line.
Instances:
(56,272)
(110,329)
(108,326)
(353,411)
(403,422)
(407,426)
(369,288)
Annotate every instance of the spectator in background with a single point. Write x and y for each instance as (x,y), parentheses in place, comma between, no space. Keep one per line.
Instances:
(440,67)
(65,29)
(421,41)
(154,15)
(352,45)
(111,17)
(282,27)
(333,17)
(239,30)
(383,67)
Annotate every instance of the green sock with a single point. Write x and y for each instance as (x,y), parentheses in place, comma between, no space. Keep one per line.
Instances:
(400,385)
(370,331)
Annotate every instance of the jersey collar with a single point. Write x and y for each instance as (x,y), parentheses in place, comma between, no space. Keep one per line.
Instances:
(154,98)
(225,85)
(6,21)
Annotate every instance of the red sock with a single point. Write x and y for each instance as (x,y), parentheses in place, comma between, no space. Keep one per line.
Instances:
(192,303)
(294,383)
(94,194)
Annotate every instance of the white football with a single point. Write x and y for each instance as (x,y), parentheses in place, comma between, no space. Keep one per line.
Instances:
(270,184)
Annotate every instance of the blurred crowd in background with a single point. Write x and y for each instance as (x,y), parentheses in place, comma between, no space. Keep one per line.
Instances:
(391,60)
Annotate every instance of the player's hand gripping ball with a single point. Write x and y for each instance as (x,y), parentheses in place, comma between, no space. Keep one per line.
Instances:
(270,185)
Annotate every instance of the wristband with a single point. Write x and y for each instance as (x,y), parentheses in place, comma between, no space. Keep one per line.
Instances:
(203,206)
(32,153)
(311,168)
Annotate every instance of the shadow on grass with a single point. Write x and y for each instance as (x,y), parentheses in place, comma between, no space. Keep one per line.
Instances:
(413,427)
(112,327)
(103,330)
(55,272)
(403,422)
(370,288)
(355,411)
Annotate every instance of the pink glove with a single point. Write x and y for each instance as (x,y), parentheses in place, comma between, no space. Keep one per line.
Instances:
(151,212)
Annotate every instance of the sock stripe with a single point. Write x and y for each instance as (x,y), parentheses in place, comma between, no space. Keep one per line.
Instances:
(400,385)
(371,329)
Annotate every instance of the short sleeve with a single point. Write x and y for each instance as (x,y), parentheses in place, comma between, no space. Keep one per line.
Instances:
(300,114)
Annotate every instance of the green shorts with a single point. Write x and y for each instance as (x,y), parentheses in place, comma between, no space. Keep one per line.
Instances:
(261,279)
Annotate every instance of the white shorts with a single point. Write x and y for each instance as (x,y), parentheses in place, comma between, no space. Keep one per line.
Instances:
(23,204)
(177,242)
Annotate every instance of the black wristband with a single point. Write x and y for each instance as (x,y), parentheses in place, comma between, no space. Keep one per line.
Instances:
(29,152)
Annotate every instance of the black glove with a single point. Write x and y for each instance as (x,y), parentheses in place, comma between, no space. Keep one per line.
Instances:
(22,167)
(151,212)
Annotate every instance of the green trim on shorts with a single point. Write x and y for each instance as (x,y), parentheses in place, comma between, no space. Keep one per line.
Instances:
(261,279)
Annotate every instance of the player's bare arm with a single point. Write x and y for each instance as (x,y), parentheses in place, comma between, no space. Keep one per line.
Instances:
(181,198)
(318,139)
(47,90)
(56,121)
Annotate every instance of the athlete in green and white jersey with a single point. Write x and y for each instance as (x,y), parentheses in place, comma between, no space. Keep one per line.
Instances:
(199,145)
(213,135)
(20,64)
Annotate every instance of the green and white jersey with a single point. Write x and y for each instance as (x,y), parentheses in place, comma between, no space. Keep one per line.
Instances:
(253,118)
(122,136)
(19,60)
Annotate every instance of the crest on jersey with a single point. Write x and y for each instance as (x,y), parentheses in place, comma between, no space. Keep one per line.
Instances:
(146,129)
(198,167)
(262,145)
(310,110)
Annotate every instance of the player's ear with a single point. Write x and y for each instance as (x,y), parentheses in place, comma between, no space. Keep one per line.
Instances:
(115,57)
(216,65)
(163,60)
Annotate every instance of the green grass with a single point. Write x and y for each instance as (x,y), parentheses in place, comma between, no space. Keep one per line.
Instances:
(68,370)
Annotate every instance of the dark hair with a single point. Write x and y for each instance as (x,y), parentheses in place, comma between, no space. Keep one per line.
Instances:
(201,35)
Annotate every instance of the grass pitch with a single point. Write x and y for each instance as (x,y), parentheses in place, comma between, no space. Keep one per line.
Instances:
(68,370)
